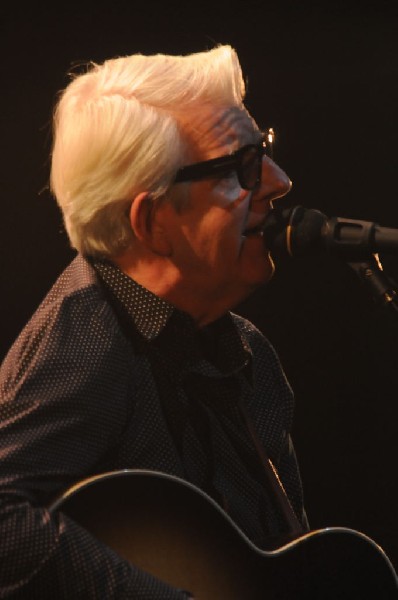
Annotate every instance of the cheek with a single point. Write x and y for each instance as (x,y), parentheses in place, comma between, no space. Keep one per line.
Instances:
(213,234)
(213,242)
(229,189)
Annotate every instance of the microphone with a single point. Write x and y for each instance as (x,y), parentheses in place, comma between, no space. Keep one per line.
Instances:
(299,231)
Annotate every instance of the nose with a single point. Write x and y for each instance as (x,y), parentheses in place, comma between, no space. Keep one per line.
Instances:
(274,181)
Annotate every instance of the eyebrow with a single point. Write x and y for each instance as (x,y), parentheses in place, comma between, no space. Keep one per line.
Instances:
(260,137)
(204,168)
(228,158)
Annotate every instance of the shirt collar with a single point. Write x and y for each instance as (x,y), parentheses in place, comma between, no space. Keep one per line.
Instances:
(148,312)
(220,347)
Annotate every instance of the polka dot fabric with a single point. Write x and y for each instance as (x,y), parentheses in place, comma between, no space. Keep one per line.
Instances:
(108,376)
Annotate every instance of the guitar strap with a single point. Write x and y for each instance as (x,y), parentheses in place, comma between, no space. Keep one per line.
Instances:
(277,492)
(274,484)
(176,417)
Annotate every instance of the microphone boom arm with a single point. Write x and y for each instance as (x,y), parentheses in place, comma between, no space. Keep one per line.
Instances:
(300,232)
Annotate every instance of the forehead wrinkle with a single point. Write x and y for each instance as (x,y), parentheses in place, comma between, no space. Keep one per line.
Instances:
(214,132)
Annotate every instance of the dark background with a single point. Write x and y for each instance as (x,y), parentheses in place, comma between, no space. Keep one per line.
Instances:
(326,78)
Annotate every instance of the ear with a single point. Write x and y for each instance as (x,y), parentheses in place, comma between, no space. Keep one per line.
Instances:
(146,225)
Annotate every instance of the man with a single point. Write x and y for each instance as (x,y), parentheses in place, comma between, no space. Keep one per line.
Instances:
(133,360)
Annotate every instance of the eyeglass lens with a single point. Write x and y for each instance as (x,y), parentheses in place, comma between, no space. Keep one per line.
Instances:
(250,168)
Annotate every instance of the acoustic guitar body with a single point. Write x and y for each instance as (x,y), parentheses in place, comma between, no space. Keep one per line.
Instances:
(173,530)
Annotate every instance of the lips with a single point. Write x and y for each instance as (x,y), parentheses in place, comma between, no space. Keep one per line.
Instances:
(255,228)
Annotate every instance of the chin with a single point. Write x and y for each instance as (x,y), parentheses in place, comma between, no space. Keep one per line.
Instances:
(257,264)
(271,269)
(263,273)
(256,280)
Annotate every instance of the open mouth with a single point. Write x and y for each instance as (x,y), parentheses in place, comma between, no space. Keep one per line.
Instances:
(257,230)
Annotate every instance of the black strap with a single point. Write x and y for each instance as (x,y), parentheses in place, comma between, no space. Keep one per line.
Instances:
(274,484)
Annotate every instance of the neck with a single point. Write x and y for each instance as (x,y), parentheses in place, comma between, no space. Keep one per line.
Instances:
(160,276)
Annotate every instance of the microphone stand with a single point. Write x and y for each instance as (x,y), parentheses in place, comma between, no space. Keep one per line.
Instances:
(381,287)
(300,232)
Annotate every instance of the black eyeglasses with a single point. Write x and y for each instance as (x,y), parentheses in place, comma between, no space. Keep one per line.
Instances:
(246,162)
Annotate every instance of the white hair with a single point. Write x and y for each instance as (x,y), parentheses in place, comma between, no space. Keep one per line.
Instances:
(116,134)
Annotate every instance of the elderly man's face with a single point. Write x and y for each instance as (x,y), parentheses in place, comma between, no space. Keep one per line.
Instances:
(216,247)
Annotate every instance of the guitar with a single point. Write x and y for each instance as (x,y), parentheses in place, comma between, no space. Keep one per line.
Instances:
(175,531)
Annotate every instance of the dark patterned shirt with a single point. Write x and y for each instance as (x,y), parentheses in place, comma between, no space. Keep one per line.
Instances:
(108,376)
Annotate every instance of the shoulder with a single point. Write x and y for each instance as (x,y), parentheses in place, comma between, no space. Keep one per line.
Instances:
(77,284)
(73,323)
(74,303)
